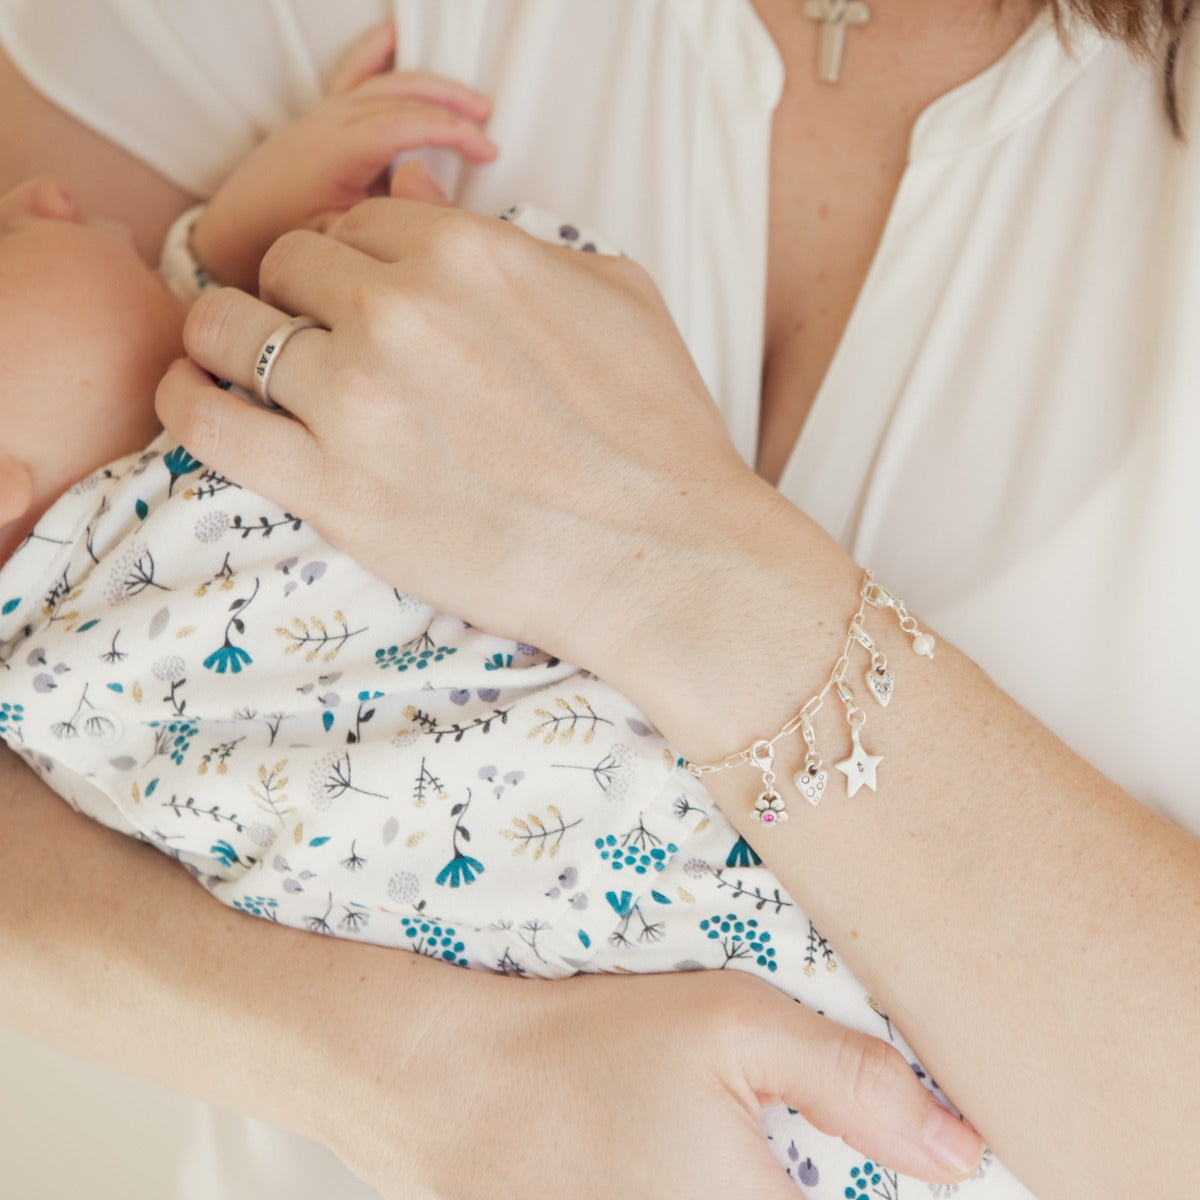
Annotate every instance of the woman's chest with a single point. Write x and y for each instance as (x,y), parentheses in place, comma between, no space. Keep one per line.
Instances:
(839,151)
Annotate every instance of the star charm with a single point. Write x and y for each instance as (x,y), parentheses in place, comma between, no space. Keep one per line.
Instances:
(859,768)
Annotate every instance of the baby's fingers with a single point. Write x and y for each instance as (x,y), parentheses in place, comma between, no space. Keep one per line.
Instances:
(432,89)
(372,53)
(375,137)
(413,180)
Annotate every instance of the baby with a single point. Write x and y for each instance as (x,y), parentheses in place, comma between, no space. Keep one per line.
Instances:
(191,665)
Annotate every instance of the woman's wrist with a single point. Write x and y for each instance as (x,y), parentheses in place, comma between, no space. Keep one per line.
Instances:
(732,619)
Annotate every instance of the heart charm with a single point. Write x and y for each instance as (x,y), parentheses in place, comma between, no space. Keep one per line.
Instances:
(810,783)
(881,681)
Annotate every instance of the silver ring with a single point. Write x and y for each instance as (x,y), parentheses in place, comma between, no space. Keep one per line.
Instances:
(268,354)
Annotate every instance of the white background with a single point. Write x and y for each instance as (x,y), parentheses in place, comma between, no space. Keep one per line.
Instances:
(70,1129)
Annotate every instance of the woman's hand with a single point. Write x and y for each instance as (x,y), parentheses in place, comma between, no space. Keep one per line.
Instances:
(311,171)
(638,1087)
(509,429)
(428,1080)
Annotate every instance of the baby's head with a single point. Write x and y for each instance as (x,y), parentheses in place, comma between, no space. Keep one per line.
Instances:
(86,330)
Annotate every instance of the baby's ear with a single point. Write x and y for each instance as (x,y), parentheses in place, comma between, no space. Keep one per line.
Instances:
(16,490)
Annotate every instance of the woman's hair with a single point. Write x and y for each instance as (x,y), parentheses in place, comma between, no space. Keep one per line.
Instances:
(1146,27)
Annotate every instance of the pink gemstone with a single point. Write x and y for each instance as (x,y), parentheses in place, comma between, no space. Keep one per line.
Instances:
(768,817)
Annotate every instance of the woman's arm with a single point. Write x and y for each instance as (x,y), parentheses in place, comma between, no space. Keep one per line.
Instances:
(36,138)
(413,1071)
(998,861)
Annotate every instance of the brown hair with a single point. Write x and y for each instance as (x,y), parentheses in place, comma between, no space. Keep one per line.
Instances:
(1146,27)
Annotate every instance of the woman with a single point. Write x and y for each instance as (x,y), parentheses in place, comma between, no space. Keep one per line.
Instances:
(1015,305)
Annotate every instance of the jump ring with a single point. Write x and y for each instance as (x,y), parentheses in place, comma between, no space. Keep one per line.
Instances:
(268,354)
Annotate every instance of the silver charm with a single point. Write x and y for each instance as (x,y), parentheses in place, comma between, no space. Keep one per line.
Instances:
(769,808)
(860,767)
(881,682)
(810,782)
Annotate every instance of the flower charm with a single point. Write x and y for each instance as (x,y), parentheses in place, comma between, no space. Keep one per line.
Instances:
(769,808)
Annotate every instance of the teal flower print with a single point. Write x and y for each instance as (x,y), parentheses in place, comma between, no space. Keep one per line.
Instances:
(435,940)
(419,653)
(740,938)
(231,658)
(641,859)
(742,855)
(258,906)
(461,869)
(179,463)
(871,1182)
(228,658)
(173,739)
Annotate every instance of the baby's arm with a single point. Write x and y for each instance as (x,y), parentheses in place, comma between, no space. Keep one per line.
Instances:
(325,162)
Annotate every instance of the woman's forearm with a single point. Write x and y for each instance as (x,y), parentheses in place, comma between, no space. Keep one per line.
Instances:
(111,951)
(1033,930)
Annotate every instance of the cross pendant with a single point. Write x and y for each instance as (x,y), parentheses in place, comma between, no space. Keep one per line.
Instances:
(834,16)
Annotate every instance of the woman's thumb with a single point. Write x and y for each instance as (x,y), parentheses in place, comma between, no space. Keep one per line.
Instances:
(861,1090)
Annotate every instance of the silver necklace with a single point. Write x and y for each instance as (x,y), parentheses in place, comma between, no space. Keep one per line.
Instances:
(834,16)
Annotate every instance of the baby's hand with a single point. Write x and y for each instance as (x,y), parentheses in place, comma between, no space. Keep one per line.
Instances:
(328,160)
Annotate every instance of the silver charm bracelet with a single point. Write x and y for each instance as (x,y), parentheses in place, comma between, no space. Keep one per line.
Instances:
(860,767)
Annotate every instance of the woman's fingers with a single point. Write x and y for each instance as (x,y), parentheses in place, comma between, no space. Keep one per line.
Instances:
(321,277)
(391,229)
(220,428)
(226,331)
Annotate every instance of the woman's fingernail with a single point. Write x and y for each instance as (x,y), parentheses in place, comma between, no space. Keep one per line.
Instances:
(956,1146)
